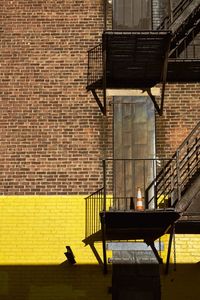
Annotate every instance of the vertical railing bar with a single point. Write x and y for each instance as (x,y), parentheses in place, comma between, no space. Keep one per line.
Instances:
(104,184)
(94,213)
(86,223)
(155,183)
(144,178)
(134,192)
(124,178)
(178,174)
(114,182)
(89,216)
(197,152)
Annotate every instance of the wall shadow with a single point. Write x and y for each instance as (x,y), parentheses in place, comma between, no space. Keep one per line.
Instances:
(53,282)
(81,282)
(182,283)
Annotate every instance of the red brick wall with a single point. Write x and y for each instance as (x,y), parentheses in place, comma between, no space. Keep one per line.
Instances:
(50,126)
(181,114)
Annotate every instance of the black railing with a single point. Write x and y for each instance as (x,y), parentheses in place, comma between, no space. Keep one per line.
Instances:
(123,177)
(172,181)
(184,43)
(93,205)
(95,68)
(174,15)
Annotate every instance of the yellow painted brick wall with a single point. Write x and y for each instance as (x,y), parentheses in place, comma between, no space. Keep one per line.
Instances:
(182,280)
(34,231)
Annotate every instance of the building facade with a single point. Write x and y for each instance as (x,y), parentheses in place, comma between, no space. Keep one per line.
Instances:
(54,137)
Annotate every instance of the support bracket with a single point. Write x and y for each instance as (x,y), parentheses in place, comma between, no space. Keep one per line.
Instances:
(152,245)
(96,254)
(99,102)
(153,98)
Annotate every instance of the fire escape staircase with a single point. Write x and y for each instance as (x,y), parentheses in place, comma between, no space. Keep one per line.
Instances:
(185,26)
(175,198)
(142,59)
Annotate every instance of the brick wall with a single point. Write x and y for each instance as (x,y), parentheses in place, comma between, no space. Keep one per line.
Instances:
(181,114)
(53,135)
(51,128)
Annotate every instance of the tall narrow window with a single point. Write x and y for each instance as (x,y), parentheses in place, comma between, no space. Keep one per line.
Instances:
(132,14)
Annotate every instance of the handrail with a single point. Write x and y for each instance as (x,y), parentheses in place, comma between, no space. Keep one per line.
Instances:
(176,13)
(189,136)
(93,206)
(173,178)
(95,47)
(95,69)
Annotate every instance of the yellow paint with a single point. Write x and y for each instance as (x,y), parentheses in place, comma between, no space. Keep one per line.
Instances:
(35,230)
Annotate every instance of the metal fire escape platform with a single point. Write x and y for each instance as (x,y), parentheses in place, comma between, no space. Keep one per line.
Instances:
(129,60)
(147,225)
(135,59)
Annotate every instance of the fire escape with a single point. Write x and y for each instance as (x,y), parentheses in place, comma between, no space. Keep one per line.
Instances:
(140,60)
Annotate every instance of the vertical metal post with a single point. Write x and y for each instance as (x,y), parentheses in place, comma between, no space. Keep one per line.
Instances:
(178,175)
(103,229)
(86,219)
(104,185)
(172,186)
(105,13)
(169,249)
(197,153)
(144,175)
(103,224)
(124,176)
(170,11)
(104,73)
(188,158)
(155,196)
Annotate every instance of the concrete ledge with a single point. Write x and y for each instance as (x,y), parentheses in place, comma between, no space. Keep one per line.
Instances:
(131,92)
(135,246)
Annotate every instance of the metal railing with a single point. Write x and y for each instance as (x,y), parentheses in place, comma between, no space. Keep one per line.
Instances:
(177,11)
(95,67)
(172,181)
(184,43)
(122,178)
(162,182)
(93,206)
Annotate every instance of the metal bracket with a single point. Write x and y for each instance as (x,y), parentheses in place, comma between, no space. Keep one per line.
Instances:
(101,106)
(153,98)
(96,254)
(152,245)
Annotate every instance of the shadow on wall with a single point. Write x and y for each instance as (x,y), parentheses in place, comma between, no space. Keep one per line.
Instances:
(182,283)
(54,282)
(81,282)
